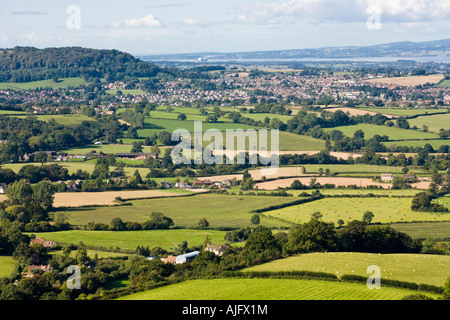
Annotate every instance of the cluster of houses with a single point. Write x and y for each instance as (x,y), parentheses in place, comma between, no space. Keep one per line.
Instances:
(218,250)
(390,177)
(225,184)
(45,268)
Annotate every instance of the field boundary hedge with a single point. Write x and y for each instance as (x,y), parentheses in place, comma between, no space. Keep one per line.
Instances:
(285,205)
(395,283)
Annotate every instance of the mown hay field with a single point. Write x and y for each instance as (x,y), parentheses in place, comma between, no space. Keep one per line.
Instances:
(422,230)
(79,199)
(269,289)
(417,268)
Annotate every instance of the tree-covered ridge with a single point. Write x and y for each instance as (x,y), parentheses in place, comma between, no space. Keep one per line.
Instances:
(25,64)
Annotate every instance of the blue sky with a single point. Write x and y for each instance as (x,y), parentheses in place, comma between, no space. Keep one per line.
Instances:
(178,26)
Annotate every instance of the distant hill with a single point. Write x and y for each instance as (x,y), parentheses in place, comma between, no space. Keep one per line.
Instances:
(396,49)
(25,64)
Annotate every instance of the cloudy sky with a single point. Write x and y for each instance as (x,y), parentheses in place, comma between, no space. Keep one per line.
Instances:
(181,26)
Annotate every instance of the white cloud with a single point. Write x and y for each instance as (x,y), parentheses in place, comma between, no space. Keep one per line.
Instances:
(317,11)
(147,21)
(192,22)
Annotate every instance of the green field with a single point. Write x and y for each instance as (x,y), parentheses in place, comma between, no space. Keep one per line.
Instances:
(62,83)
(10,112)
(219,210)
(417,143)
(105,148)
(152,125)
(269,289)
(72,167)
(404,111)
(348,168)
(385,210)
(443,84)
(437,230)
(6,266)
(71,120)
(434,123)
(417,268)
(394,133)
(125,92)
(167,239)
(385,192)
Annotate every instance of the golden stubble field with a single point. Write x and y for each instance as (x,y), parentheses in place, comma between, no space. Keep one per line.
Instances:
(79,199)
(409,81)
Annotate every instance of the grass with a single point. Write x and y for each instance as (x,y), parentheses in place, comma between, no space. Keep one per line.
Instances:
(152,125)
(62,83)
(434,123)
(385,210)
(88,166)
(436,143)
(423,230)
(417,268)
(394,133)
(408,112)
(105,148)
(443,84)
(355,168)
(268,289)
(125,92)
(166,239)
(92,253)
(10,112)
(70,120)
(386,192)
(6,266)
(219,210)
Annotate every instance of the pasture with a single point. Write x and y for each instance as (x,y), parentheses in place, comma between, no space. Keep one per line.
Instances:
(435,143)
(220,210)
(418,268)
(268,289)
(405,112)
(394,133)
(385,210)
(286,183)
(166,239)
(434,123)
(423,230)
(62,83)
(70,120)
(6,266)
